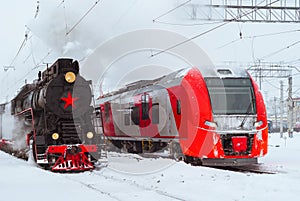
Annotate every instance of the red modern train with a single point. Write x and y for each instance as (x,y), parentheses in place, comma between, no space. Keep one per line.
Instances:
(209,116)
(55,114)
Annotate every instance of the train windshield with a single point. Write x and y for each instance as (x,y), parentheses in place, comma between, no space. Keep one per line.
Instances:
(231,96)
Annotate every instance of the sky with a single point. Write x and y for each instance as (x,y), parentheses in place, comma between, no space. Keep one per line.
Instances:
(13,17)
(59,29)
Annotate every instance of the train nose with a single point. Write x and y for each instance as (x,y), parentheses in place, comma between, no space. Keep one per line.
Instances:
(73,159)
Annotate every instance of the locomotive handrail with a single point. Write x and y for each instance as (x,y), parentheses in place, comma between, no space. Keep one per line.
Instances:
(31,112)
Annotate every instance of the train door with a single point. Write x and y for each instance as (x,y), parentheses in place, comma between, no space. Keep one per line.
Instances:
(142,114)
(173,107)
(144,110)
(107,119)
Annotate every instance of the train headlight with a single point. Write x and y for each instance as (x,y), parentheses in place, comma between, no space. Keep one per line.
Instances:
(89,135)
(211,124)
(258,124)
(55,136)
(70,77)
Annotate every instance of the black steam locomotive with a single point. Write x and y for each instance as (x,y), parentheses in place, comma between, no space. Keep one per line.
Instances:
(55,119)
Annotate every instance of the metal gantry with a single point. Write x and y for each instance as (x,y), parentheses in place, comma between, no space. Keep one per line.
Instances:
(262,70)
(283,11)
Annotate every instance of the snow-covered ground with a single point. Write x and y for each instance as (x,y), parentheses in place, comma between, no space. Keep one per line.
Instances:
(131,177)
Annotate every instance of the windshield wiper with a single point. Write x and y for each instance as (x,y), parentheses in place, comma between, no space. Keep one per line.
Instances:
(247,113)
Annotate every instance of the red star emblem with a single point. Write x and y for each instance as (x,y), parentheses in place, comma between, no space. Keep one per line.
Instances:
(69,101)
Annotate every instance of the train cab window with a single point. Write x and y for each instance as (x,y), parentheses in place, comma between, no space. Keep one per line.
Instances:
(135,115)
(106,111)
(145,106)
(178,107)
(155,113)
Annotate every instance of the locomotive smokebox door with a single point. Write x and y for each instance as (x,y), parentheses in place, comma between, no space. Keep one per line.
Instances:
(64,99)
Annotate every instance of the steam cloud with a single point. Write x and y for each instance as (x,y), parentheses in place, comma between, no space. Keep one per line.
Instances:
(14,129)
(67,29)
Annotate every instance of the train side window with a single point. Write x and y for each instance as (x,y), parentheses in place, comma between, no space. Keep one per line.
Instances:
(155,113)
(135,115)
(106,111)
(145,106)
(178,107)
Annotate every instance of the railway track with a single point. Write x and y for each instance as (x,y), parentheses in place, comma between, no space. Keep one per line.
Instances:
(141,187)
(254,168)
(119,183)
(259,168)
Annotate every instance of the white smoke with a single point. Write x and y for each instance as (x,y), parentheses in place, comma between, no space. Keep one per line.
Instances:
(8,123)
(14,129)
(71,30)
(76,28)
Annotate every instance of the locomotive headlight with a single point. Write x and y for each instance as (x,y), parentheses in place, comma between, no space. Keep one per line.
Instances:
(70,77)
(55,136)
(89,135)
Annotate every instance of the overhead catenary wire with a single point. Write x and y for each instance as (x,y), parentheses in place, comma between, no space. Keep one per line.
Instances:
(19,50)
(61,3)
(43,59)
(190,39)
(210,30)
(259,36)
(32,55)
(23,44)
(293,61)
(65,16)
(78,22)
(280,50)
(173,9)
(37,9)
(276,87)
